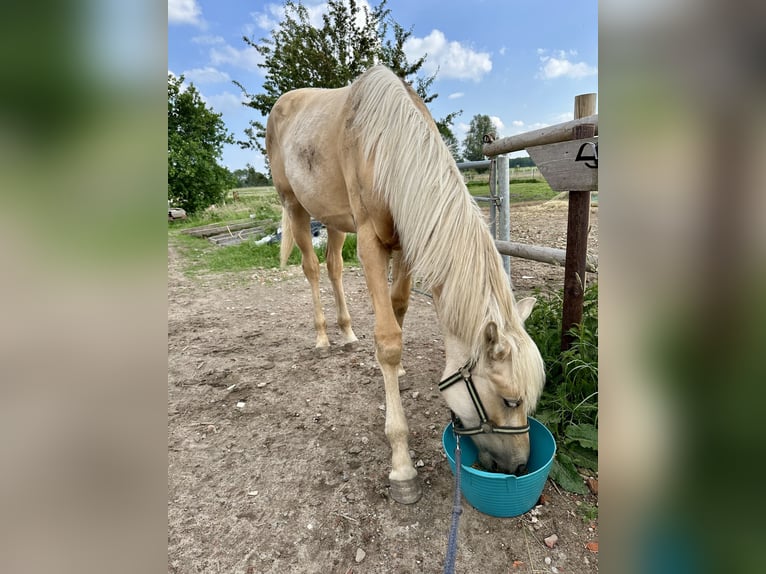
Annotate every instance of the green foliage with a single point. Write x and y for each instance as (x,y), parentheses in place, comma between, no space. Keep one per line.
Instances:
(520,162)
(569,404)
(195,143)
(248,177)
(474,138)
(351,39)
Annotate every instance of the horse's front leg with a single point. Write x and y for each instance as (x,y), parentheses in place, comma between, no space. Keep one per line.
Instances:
(405,487)
(401,285)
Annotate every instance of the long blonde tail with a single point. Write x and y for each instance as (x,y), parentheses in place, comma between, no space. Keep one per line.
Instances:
(287,243)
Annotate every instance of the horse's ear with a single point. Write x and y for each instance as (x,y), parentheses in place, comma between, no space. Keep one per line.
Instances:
(497,348)
(524,307)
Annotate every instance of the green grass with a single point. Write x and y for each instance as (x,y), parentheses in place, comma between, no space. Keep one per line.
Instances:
(202,255)
(520,190)
(588,512)
(262,202)
(569,403)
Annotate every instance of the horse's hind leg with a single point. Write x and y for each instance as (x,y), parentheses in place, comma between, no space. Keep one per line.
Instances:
(335,241)
(405,487)
(301,230)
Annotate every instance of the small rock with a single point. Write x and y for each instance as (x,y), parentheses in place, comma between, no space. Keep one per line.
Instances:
(547,560)
(415,394)
(360,554)
(551,540)
(420,463)
(364,440)
(241,405)
(592,485)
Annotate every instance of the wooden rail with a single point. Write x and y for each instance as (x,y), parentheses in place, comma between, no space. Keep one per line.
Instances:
(551,134)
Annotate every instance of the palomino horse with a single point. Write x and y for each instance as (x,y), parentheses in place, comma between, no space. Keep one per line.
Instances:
(369,159)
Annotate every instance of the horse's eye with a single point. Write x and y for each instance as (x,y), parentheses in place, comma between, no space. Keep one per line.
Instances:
(512,403)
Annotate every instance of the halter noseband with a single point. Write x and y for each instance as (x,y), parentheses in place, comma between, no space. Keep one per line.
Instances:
(486,425)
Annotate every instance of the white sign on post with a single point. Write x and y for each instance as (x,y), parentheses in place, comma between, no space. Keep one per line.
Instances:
(568,166)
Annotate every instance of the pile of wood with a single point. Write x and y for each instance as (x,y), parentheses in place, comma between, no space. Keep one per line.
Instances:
(231,232)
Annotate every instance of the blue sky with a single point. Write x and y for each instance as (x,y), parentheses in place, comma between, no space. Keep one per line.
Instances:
(521,63)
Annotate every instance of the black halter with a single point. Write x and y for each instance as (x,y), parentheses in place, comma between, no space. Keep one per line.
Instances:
(486,425)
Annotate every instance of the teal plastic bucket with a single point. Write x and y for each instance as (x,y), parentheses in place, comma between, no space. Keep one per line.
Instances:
(499,494)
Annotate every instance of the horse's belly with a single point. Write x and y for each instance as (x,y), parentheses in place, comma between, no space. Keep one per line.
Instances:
(326,200)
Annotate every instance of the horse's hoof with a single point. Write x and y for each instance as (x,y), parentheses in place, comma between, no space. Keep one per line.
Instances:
(322,352)
(406,491)
(350,346)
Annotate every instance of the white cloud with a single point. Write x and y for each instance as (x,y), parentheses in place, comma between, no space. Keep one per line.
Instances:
(498,123)
(225,102)
(455,96)
(461,130)
(272,14)
(502,51)
(270,17)
(560,65)
(208,40)
(452,59)
(247,58)
(520,126)
(184,12)
(206,75)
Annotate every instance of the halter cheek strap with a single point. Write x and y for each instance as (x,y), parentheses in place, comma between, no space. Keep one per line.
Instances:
(485,425)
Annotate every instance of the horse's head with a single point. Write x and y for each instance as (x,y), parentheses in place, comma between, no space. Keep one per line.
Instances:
(494,393)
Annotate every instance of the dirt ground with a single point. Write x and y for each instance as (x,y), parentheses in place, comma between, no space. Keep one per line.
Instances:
(277,459)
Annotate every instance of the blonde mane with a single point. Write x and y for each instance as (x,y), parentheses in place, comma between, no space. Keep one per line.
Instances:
(443,235)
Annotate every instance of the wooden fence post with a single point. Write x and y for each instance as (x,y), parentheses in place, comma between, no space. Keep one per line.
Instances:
(578,216)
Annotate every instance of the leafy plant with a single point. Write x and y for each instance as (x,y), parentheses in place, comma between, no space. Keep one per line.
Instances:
(569,404)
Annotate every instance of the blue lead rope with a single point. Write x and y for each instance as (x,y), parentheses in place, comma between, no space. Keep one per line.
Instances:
(457,510)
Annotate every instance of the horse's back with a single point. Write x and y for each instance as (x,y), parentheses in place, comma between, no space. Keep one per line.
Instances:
(303,135)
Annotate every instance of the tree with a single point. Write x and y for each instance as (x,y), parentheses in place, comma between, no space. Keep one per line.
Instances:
(453,145)
(248,177)
(474,138)
(350,40)
(196,136)
(524,161)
